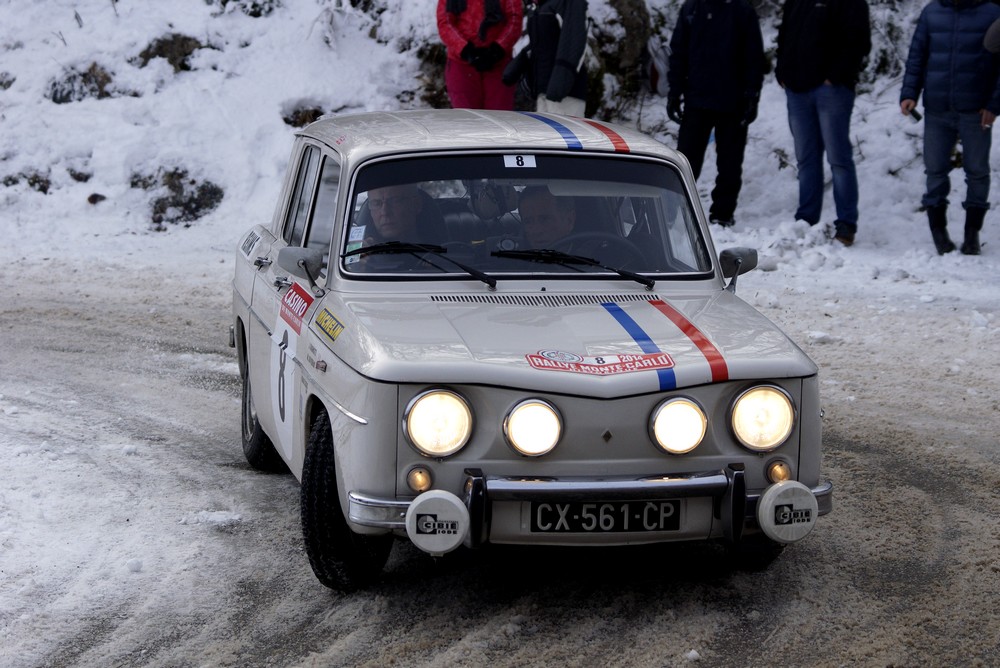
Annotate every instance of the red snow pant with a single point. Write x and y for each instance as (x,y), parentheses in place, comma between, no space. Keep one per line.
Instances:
(469,88)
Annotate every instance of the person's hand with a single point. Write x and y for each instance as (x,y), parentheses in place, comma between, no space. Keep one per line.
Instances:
(488,57)
(675,109)
(468,53)
(906,106)
(986,118)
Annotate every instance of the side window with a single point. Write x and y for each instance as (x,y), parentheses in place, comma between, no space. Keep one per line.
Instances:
(298,213)
(321,230)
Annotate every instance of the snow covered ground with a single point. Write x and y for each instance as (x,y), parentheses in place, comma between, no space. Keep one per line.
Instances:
(907,341)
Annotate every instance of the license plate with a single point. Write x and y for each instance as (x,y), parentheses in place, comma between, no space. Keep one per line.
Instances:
(605,517)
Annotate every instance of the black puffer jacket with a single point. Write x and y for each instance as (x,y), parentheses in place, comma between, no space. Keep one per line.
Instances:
(716,55)
(822,40)
(557,32)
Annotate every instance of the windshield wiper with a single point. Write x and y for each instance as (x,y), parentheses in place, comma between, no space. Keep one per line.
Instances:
(559,257)
(416,250)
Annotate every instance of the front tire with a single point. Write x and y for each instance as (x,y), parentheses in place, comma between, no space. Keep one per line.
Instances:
(258,449)
(340,558)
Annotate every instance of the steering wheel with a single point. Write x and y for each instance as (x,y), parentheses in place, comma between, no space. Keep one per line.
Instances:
(606,248)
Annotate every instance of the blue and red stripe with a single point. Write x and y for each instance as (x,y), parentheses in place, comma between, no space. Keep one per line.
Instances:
(668,381)
(667,378)
(716,362)
(573,141)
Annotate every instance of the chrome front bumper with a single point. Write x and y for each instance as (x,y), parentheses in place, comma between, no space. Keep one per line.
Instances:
(727,489)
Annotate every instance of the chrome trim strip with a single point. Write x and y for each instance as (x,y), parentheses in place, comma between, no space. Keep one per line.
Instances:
(824,497)
(365,510)
(336,404)
(710,483)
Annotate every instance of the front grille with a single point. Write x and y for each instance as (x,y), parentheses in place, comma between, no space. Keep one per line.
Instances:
(543,301)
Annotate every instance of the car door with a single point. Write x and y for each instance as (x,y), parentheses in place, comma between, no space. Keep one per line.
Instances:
(272,345)
(282,304)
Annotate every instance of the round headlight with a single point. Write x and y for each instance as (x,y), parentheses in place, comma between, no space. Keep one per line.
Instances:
(679,425)
(763,418)
(533,427)
(438,423)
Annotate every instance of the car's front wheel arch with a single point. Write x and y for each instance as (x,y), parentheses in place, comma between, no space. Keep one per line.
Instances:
(340,558)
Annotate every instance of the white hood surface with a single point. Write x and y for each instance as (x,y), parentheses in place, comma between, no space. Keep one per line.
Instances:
(590,345)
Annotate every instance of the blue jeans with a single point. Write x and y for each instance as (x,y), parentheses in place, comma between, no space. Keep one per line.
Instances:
(942,130)
(820,119)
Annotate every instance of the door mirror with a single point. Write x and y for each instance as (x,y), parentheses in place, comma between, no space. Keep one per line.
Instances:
(301,262)
(734,260)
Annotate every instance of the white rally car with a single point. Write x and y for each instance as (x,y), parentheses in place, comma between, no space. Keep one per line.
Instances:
(466,327)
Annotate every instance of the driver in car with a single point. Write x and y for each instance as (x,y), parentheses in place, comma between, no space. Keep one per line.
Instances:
(545,218)
(394,211)
(394,214)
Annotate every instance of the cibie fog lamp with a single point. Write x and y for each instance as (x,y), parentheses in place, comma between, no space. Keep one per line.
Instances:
(438,423)
(763,418)
(533,427)
(678,425)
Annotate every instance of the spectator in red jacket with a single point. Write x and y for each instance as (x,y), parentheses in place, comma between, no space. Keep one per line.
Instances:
(479,36)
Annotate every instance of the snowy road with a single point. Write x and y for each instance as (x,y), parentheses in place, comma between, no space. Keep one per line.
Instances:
(132,533)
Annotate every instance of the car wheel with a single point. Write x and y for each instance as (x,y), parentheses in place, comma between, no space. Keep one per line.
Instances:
(340,558)
(257,447)
(755,553)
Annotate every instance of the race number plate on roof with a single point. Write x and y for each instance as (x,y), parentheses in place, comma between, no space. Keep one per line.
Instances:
(518,161)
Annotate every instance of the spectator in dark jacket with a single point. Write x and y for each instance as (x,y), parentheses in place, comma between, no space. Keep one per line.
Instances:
(715,75)
(958,79)
(822,46)
(551,64)
(478,36)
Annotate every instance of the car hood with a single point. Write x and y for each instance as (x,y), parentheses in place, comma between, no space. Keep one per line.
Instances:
(593,345)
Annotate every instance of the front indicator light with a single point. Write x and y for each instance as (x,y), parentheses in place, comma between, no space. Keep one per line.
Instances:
(438,423)
(778,471)
(763,418)
(533,427)
(679,425)
(419,479)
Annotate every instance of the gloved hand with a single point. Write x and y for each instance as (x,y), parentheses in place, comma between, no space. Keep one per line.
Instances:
(468,53)
(675,108)
(488,57)
(750,109)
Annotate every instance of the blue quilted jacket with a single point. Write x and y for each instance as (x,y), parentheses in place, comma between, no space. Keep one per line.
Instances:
(947,61)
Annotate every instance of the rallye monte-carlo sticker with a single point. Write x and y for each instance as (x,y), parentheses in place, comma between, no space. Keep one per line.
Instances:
(603,365)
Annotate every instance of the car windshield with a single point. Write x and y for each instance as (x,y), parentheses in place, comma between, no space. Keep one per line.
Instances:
(512,216)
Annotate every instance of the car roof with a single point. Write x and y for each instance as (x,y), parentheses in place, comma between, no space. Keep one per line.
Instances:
(360,136)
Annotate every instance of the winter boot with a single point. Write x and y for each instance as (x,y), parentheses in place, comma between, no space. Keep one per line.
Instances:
(938,218)
(973,223)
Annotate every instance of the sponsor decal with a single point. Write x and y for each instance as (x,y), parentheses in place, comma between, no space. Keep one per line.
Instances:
(294,305)
(788,514)
(431,525)
(603,365)
(329,325)
(249,243)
